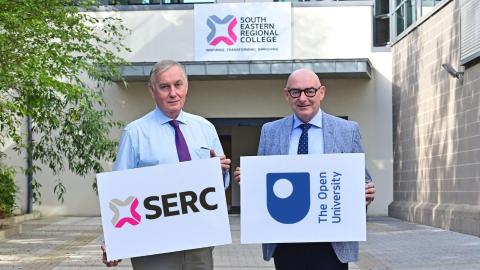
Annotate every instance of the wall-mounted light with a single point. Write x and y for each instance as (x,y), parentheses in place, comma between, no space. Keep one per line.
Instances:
(454,73)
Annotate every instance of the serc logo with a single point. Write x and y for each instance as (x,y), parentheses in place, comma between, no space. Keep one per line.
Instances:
(229,39)
(288,196)
(133,220)
(166,205)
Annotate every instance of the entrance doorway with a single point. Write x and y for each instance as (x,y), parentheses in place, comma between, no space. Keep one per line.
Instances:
(239,137)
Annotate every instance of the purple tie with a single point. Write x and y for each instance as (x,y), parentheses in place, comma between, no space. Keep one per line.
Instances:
(182,148)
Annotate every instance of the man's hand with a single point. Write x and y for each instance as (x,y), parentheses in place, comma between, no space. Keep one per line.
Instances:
(236,175)
(104,258)
(224,161)
(369,193)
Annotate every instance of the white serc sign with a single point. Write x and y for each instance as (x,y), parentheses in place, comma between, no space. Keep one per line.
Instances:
(243,31)
(303,198)
(163,208)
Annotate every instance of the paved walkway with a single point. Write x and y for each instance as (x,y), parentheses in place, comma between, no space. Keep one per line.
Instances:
(66,243)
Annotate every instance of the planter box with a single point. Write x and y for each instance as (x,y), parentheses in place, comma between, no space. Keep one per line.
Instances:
(13,225)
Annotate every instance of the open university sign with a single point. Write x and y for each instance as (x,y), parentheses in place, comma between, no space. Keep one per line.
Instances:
(303,198)
(163,208)
(243,31)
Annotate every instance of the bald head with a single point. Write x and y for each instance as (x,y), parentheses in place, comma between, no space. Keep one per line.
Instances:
(301,80)
(302,74)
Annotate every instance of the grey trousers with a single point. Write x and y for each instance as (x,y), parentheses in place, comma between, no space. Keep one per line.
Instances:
(194,259)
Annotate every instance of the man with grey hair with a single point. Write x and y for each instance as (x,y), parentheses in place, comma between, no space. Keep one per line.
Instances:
(169,135)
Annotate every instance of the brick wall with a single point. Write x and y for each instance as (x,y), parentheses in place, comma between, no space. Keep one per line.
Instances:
(436,128)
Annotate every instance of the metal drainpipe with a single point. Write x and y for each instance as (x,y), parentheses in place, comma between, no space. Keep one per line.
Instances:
(29,165)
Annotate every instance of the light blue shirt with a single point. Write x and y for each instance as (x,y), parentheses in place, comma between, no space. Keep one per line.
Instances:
(315,135)
(150,141)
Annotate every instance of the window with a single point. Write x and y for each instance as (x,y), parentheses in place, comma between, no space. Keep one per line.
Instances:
(299,0)
(407,12)
(469,31)
(404,15)
(167,2)
(381,26)
(152,2)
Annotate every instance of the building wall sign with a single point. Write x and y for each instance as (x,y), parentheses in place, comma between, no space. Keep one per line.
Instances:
(243,31)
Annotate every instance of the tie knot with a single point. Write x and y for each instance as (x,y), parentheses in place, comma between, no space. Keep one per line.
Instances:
(305,127)
(173,123)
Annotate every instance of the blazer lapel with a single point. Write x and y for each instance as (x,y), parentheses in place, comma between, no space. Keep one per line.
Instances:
(285,132)
(328,134)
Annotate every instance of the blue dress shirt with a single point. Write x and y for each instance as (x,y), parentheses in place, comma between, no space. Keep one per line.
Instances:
(150,141)
(315,135)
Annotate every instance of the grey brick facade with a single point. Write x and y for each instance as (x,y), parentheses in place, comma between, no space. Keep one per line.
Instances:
(436,128)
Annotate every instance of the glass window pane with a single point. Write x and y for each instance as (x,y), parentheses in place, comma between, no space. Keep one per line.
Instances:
(137,2)
(410,12)
(118,2)
(400,20)
(381,7)
(186,1)
(427,5)
(382,31)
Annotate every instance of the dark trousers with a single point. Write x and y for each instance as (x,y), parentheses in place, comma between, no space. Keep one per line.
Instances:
(307,256)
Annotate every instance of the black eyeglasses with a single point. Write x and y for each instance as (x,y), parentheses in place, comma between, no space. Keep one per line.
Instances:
(309,92)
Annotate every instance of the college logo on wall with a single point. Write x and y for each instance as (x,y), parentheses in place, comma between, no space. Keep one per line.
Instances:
(133,220)
(242,31)
(214,21)
(288,196)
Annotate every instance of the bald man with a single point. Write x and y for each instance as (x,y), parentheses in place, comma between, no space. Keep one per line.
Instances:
(310,131)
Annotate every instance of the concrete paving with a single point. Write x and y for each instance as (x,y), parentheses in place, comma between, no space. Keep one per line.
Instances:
(66,243)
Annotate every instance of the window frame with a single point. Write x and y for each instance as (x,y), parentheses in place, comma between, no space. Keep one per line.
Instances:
(419,18)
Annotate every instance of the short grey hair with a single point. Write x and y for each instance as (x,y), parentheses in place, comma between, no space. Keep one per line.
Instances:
(163,66)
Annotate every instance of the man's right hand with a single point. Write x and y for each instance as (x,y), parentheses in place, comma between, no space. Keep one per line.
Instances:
(104,258)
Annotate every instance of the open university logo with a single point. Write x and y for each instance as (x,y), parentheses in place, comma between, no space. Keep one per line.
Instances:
(213,39)
(288,196)
(133,220)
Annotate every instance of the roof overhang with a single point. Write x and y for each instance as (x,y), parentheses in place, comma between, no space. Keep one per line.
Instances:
(324,68)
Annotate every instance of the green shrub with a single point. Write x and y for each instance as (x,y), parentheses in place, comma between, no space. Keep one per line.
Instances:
(8,190)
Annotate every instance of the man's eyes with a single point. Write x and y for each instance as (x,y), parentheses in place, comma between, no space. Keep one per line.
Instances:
(167,86)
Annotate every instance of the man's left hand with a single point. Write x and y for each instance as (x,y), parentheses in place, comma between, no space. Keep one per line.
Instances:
(224,161)
(369,193)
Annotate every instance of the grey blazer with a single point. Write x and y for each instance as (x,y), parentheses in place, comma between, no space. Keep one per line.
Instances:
(339,136)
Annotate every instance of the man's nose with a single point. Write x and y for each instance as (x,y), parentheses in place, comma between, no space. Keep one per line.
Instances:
(173,91)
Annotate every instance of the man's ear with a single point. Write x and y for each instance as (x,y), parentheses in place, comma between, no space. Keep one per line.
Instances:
(322,92)
(150,89)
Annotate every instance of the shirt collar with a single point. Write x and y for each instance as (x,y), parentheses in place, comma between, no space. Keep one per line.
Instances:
(316,120)
(163,119)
